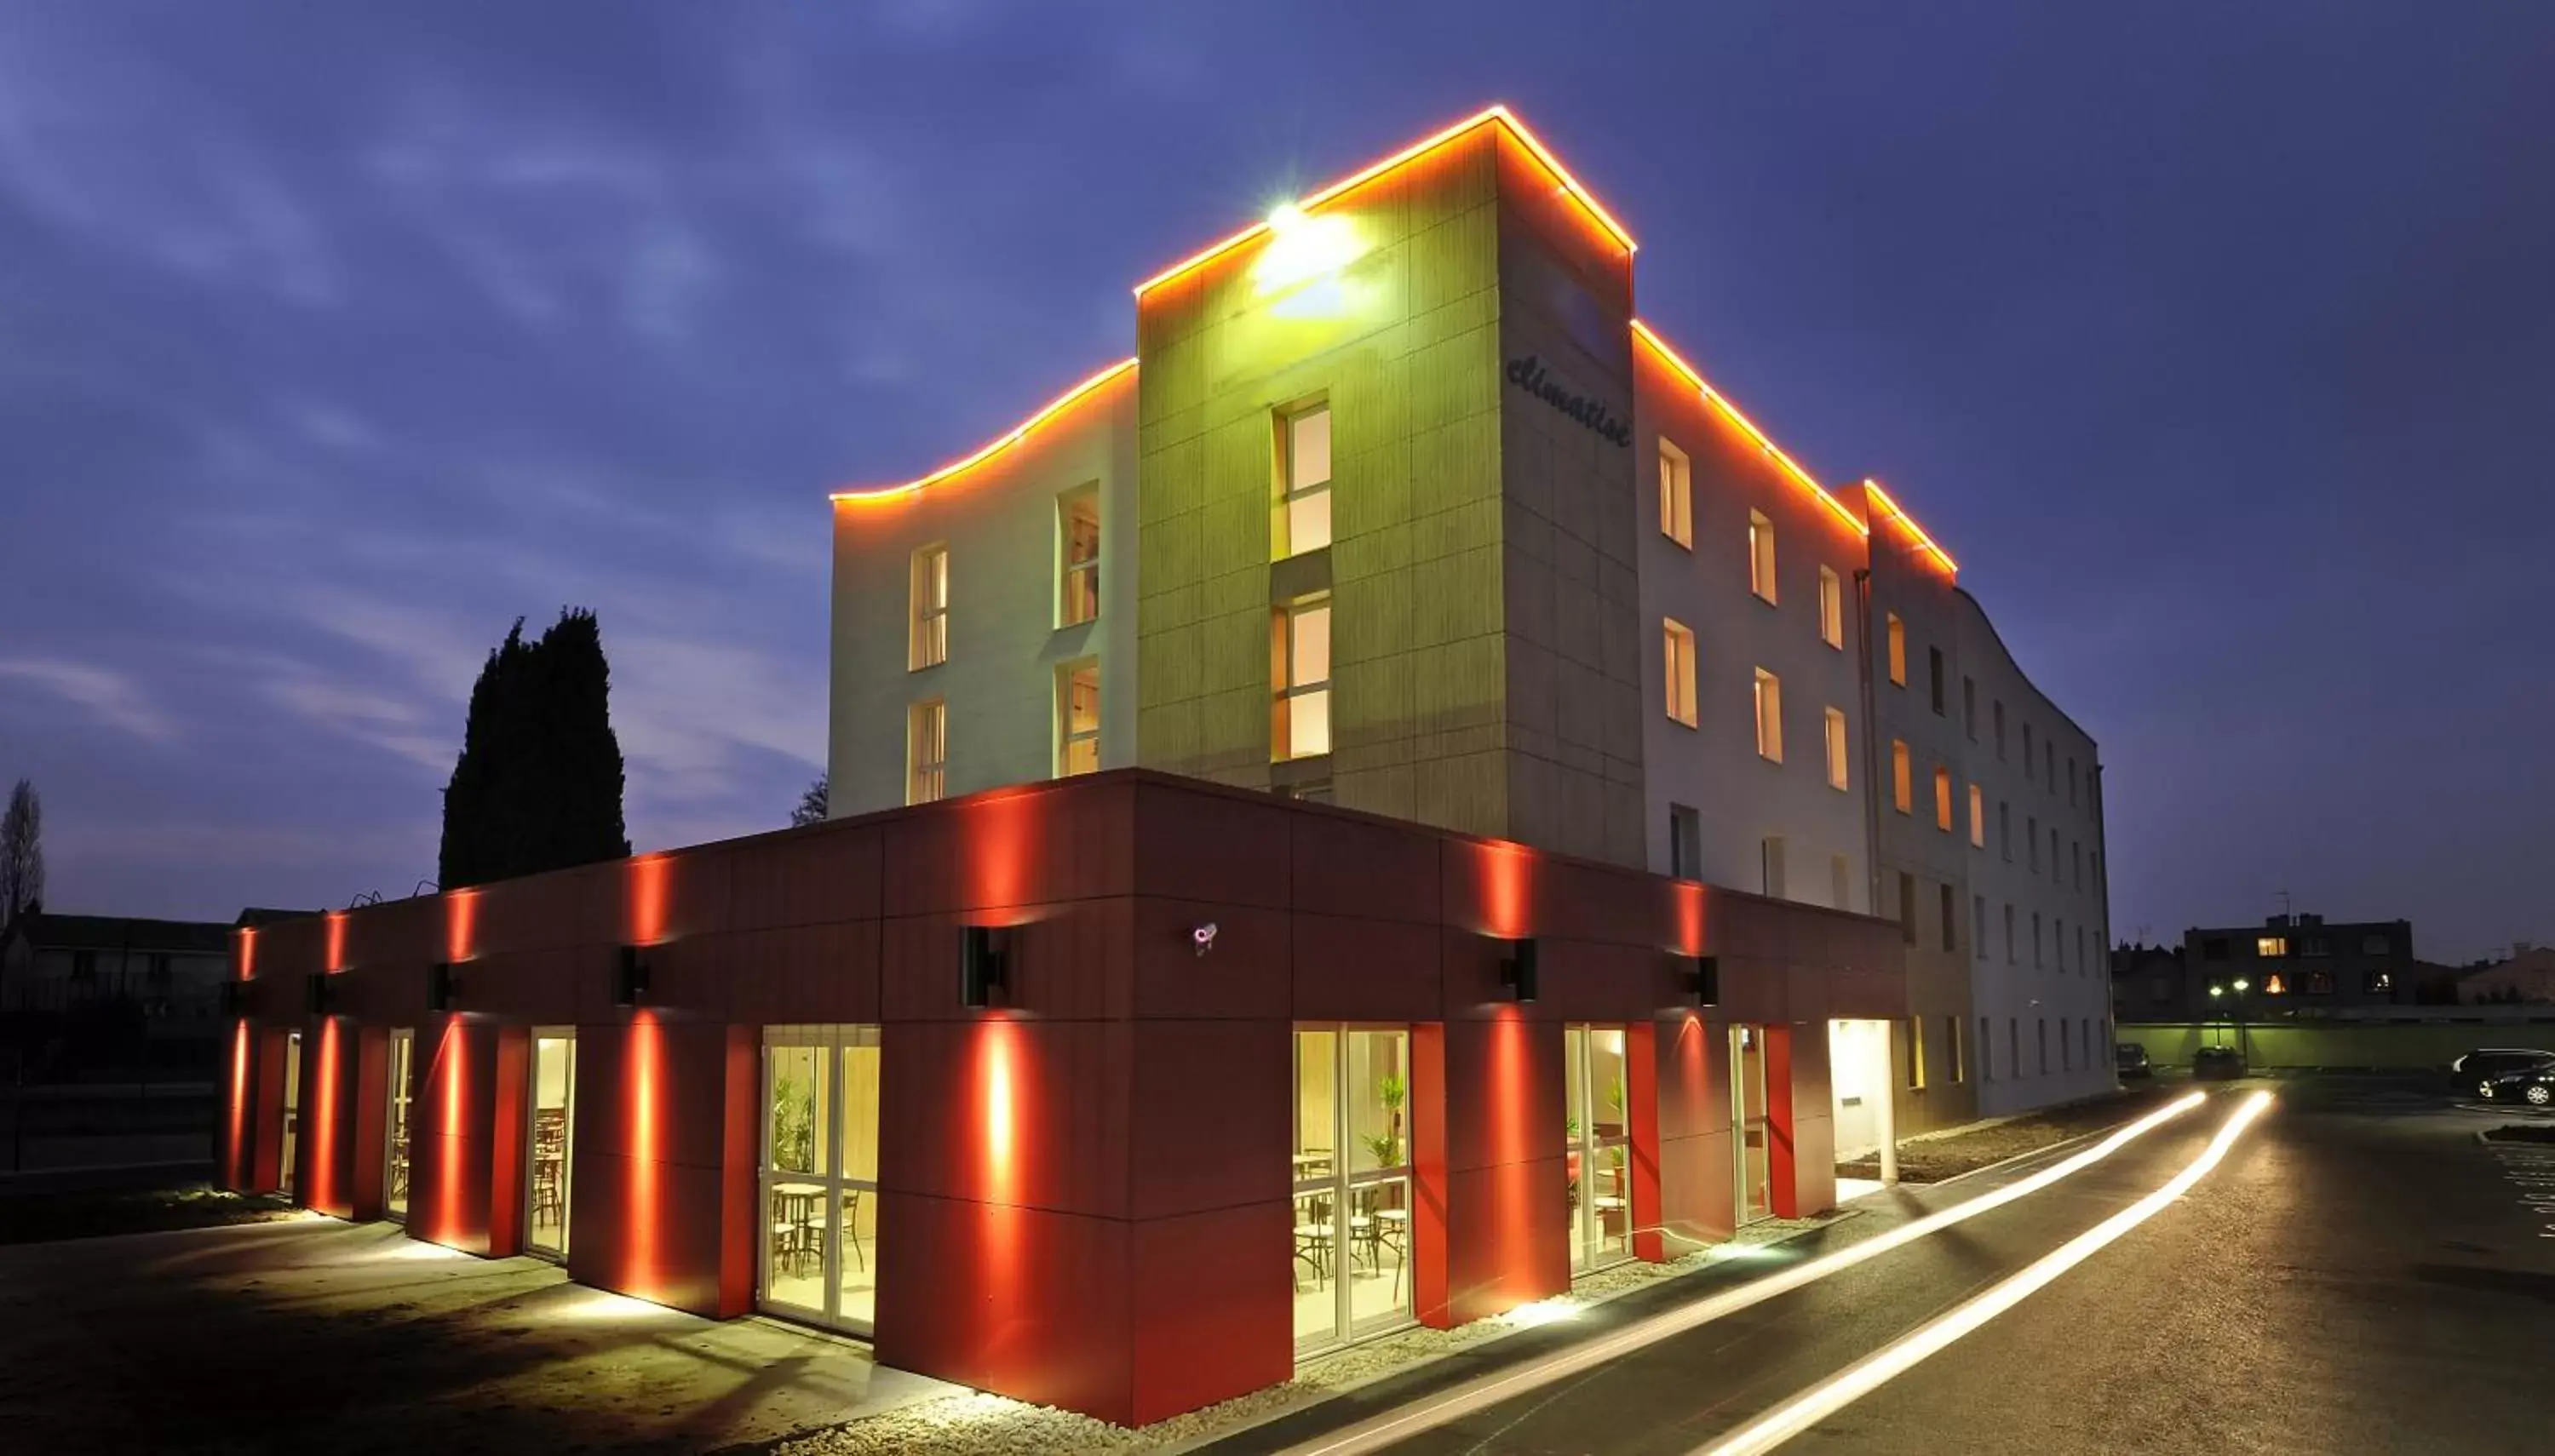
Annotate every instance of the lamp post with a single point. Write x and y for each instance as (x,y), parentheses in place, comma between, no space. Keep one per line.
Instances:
(2243,1051)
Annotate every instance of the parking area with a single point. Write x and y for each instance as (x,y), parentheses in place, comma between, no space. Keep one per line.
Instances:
(309,1334)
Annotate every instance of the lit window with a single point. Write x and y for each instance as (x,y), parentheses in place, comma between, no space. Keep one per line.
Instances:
(2379,982)
(928,639)
(1978,817)
(2271,947)
(1943,798)
(1077,718)
(1770,716)
(1902,790)
(1913,1031)
(1077,565)
(1304,503)
(1304,655)
(1898,650)
(1836,777)
(1952,1044)
(1761,555)
(2275,984)
(1677,496)
(926,751)
(1677,643)
(1831,609)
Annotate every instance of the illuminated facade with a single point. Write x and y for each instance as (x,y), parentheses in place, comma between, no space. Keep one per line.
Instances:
(1352,703)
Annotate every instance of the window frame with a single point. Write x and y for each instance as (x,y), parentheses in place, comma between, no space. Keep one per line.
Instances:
(1768,703)
(1902,778)
(936,711)
(1283,542)
(1761,558)
(1676,494)
(1840,751)
(1286,689)
(1831,607)
(1895,630)
(1067,735)
(1677,658)
(927,640)
(1071,572)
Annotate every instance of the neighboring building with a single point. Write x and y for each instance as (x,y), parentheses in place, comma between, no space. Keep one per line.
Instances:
(2527,975)
(56,962)
(1399,506)
(2147,984)
(1338,706)
(2295,966)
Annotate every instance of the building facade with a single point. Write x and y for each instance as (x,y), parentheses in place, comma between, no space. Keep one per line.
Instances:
(2291,965)
(1400,506)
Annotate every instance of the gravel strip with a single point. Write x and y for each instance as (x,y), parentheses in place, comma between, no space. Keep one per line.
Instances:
(979,1424)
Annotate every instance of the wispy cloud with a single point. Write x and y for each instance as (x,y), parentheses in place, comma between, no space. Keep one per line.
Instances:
(106,695)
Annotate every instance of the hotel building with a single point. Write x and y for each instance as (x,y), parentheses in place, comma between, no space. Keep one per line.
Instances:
(1406,701)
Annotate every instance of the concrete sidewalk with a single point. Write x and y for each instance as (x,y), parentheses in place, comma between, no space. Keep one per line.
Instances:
(309,1334)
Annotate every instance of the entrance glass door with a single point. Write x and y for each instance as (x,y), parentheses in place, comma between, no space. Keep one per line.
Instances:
(1749,1123)
(395,1125)
(1599,1159)
(819,1180)
(553,1126)
(292,1113)
(1351,1170)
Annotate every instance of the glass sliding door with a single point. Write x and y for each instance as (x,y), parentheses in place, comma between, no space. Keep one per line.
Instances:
(1351,1170)
(286,1159)
(554,1125)
(818,1182)
(394,1097)
(1748,1123)
(1600,1150)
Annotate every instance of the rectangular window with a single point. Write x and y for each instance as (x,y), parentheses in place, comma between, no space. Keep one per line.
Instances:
(2008,934)
(1761,555)
(2375,944)
(2053,852)
(1770,716)
(1770,862)
(2380,983)
(928,633)
(2049,763)
(1951,920)
(1836,774)
(1942,798)
(1934,669)
(1077,558)
(1300,654)
(1997,711)
(1840,883)
(1831,609)
(2066,1054)
(1677,642)
(1907,906)
(2035,940)
(1685,843)
(1911,1033)
(926,751)
(2031,843)
(1978,817)
(1677,496)
(1987,1053)
(1952,1047)
(2082,965)
(2005,829)
(2070,781)
(2271,947)
(2058,942)
(2076,860)
(2026,751)
(2013,1047)
(1077,718)
(2043,1024)
(1979,926)
(1902,792)
(1970,715)
(1897,633)
(1304,482)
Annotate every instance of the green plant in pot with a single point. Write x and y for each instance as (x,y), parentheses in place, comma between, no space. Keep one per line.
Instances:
(794,1127)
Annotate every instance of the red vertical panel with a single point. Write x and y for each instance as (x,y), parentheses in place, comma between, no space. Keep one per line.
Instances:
(238,1149)
(1781,1165)
(509,1114)
(367,1103)
(1429,1173)
(741,1151)
(1641,1110)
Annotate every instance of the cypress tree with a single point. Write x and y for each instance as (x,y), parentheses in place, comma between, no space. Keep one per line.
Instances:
(539,783)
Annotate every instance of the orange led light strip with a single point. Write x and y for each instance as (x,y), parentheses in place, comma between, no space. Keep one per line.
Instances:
(1496,115)
(1925,542)
(993,447)
(1729,411)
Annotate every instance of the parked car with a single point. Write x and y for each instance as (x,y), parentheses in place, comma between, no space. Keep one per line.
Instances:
(2131,1061)
(2534,1086)
(2473,1074)
(2217,1061)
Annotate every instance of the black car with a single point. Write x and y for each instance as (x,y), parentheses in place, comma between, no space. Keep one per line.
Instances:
(2531,1088)
(2473,1074)
(2130,1059)
(2217,1061)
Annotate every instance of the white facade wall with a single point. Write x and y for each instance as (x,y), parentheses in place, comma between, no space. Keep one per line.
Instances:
(1001,526)
(1742,798)
(2070,992)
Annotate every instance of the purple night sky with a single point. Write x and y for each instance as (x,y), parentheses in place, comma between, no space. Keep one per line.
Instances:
(2214,340)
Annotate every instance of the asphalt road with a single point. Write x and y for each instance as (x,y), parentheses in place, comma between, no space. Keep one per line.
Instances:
(2358,1276)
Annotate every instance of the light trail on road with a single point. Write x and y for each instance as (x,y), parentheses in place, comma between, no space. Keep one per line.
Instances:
(1878,1369)
(1382,1430)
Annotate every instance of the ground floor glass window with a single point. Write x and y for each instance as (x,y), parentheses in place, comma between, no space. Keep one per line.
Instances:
(553,1082)
(1750,1121)
(1351,1169)
(1600,1150)
(819,1180)
(395,1102)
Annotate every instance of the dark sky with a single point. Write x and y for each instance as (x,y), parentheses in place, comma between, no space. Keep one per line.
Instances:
(2214,340)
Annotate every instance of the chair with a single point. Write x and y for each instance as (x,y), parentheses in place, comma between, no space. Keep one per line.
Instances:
(1314,1238)
(852,1226)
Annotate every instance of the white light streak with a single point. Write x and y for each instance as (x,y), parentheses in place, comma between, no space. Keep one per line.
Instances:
(1869,1373)
(1382,1430)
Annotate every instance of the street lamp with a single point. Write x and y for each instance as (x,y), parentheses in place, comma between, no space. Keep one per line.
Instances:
(2241,1051)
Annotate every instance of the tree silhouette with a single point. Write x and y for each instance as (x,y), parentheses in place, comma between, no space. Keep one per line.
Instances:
(22,852)
(811,805)
(538,786)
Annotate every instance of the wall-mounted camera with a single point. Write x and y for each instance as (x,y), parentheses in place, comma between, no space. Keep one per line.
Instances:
(1203,937)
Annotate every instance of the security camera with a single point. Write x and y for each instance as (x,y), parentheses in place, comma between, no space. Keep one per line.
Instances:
(1203,937)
